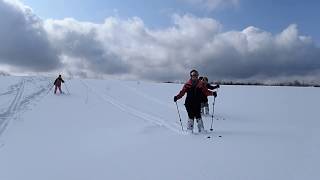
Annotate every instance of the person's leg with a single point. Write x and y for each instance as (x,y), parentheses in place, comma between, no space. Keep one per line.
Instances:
(197,113)
(200,125)
(206,108)
(190,125)
(191,119)
(202,107)
(60,89)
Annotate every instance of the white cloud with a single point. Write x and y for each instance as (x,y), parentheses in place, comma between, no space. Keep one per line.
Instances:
(129,49)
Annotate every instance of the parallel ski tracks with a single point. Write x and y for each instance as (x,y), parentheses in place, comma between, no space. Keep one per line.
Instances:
(22,99)
(13,107)
(135,112)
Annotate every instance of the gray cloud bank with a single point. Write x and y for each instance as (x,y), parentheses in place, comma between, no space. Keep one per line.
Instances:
(24,42)
(129,49)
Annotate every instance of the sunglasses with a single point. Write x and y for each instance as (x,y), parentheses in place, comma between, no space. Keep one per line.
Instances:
(194,75)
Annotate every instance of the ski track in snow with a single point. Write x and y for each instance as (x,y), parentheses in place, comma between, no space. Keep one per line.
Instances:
(5,117)
(155,100)
(215,117)
(21,103)
(130,110)
(135,90)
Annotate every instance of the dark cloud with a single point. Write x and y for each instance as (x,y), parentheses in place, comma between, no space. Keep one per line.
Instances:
(24,43)
(98,59)
(79,44)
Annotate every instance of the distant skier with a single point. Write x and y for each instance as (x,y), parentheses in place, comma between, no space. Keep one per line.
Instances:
(204,99)
(195,90)
(57,84)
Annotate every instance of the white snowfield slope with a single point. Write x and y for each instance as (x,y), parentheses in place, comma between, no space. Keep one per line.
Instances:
(111,129)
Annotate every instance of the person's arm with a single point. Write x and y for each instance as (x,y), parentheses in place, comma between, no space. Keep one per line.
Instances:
(209,86)
(61,79)
(182,92)
(55,82)
(207,92)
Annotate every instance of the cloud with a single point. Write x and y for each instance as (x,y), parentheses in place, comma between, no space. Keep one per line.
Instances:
(24,44)
(127,48)
(254,53)
(212,5)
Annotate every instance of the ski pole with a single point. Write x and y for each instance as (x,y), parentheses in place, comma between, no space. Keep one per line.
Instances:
(67,88)
(214,100)
(50,89)
(179,116)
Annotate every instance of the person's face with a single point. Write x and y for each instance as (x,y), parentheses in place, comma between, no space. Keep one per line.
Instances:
(194,75)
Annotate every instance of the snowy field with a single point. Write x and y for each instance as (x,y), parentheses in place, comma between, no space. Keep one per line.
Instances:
(129,130)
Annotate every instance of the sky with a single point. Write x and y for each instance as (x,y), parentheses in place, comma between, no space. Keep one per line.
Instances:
(162,40)
(271,15)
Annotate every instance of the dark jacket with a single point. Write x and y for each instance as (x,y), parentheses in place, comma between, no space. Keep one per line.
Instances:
(195,91)
(58,81)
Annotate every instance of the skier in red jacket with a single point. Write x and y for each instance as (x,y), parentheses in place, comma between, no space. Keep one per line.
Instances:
(204,100)
(57,84)
(195,90)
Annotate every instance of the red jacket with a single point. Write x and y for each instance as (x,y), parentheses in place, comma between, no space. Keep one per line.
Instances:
(194,93)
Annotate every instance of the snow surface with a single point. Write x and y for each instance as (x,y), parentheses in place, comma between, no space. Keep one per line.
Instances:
(112,129)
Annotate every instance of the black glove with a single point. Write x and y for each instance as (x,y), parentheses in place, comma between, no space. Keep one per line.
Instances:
(175,99)
(217,86)
(214,94)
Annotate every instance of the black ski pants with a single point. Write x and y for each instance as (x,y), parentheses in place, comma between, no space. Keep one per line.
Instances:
(194,110)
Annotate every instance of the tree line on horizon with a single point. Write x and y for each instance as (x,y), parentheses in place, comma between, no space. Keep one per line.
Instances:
(295,83)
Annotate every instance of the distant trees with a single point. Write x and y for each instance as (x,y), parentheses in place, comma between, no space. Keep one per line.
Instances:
(295,83)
